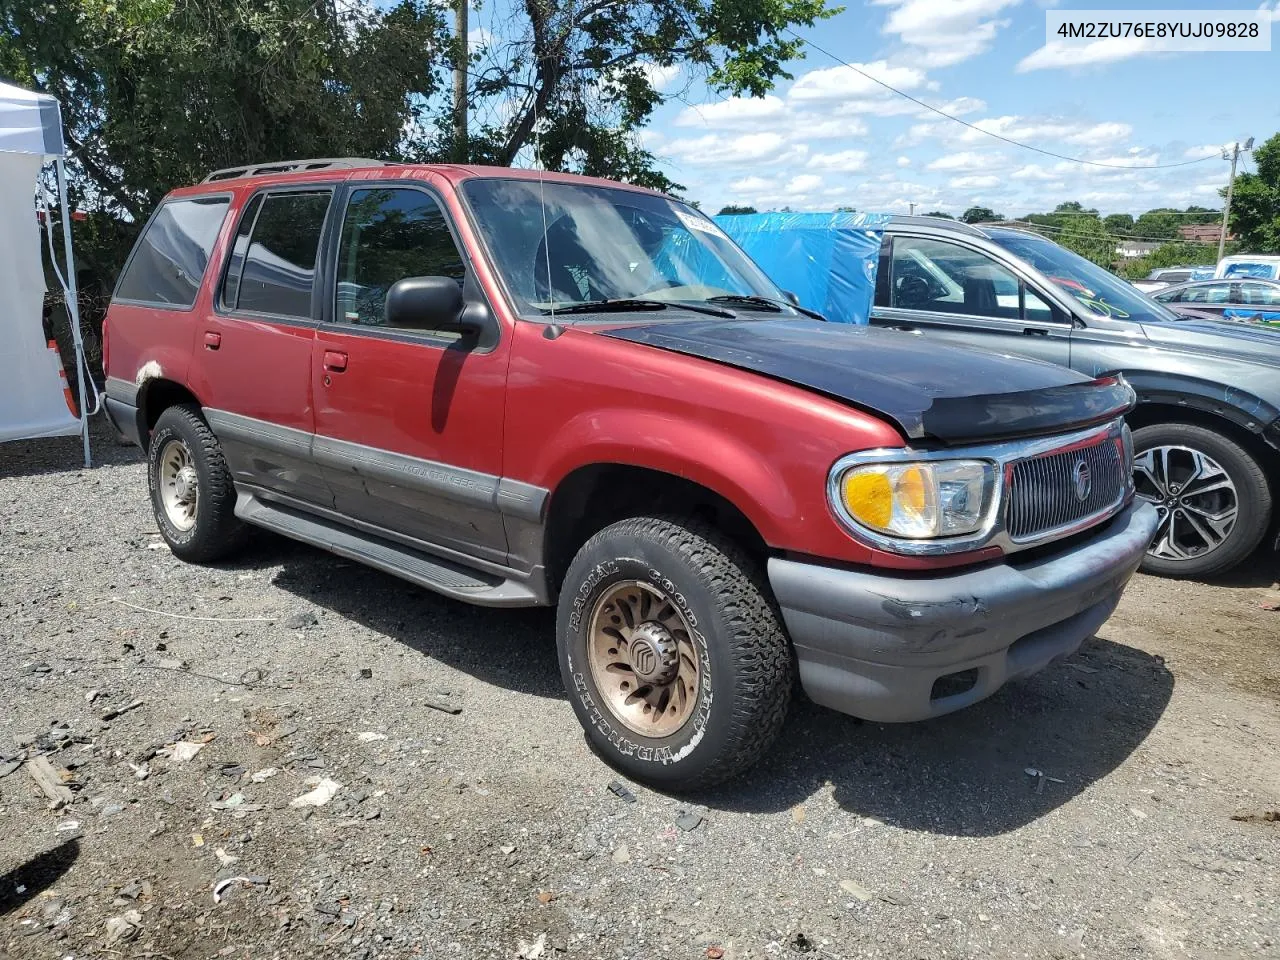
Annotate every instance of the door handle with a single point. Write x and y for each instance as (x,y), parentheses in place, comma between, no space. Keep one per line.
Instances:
(1034,332)
(335,360)
(212,341)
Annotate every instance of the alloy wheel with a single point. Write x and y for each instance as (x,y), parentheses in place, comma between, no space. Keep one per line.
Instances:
(179,485)
(1195,499)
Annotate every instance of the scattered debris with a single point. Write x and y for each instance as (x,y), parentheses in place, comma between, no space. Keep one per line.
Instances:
(439,703)
(183,616)
(797,813)
(545,896)
(801,944)
(366,673)
(619,790)
(123,927)
(51,780)
(185,750)
(222,885)
(225,858)
(140,770)
(197,840)
(323,792)
(111,810)
(857,890)
(622,854)
(688,820)
(507,850)
(263,775)
(1137,813)
(1266,816)
(91,696)
(370,736)
(8,767)
(68,826)
(532,951)
(715,953)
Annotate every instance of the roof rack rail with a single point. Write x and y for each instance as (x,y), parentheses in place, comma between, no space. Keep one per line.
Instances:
(959,226)
(290,166)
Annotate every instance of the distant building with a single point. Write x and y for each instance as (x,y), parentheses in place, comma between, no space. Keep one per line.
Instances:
(1133,249)
(1203,232)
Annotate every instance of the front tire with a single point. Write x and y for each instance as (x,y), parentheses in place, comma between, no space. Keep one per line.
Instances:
(674,658)
(1211,495)
(192,493)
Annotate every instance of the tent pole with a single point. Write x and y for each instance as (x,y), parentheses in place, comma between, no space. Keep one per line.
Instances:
(73,305)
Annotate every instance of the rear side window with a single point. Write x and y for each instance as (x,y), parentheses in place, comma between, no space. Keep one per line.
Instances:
(273,261)
(168,263)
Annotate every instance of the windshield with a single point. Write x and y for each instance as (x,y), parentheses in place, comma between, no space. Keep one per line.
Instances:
(1099,292)
(560,244)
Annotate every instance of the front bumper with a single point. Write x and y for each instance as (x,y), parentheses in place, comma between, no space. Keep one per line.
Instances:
(877,646)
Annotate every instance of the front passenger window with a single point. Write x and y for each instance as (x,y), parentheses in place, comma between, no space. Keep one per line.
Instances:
(390,234)
(943,277)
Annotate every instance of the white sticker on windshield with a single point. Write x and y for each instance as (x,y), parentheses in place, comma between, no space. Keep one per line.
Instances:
(694,222)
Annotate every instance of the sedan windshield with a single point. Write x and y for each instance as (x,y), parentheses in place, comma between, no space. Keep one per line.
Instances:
(1101,293)
(561,244)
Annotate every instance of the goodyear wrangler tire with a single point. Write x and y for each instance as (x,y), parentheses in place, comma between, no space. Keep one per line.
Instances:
(674,657)
(192,493)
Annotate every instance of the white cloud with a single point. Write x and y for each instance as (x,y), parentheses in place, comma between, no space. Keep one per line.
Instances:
(904,161)
(843,161)
(802,184)
(974,183)
(1033,171)
(659,76)
(714,149)
(844,84)
(970,160)
(957,107)
(751,184)
(733,113)
(942,34)
(1059,54)
(1205,150)
(1098,133)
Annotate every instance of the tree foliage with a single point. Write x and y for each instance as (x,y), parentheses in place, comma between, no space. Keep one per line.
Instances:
(735,210)
(1173,254)
(585,74)
(941,214)
(1255,202)
(980,215)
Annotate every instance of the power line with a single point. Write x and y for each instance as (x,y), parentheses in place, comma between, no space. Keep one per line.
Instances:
(989,133)
(1030,225)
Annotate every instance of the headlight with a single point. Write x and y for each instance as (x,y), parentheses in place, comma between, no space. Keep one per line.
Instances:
(924,500)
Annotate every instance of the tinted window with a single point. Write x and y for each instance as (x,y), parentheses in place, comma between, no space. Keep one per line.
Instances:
(388,235)
(279,258)
(168,263)
(948,278)
(1207,293)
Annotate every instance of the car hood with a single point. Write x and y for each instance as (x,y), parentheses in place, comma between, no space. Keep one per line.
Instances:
(1233,339)
(929,390)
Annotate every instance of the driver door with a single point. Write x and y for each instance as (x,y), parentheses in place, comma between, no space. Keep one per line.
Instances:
(951,292)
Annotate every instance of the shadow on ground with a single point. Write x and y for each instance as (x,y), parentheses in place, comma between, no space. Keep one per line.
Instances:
(26,881)
(29,458)
(962,775)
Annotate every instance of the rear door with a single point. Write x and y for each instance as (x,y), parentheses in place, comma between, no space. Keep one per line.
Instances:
(408,421)
(1254,300)
(950,291)
(253,349)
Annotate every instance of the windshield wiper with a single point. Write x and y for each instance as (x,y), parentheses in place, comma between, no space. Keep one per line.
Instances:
(768,303)
(624,304)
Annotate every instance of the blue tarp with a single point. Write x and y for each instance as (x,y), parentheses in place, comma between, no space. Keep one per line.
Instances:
(828,260)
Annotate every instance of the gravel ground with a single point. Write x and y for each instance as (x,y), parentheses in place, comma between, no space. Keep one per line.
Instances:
(1120,804)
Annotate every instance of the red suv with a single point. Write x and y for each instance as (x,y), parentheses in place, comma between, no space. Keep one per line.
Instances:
(520,389)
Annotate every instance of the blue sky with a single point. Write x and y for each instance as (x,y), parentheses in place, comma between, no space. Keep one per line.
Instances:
(830,138)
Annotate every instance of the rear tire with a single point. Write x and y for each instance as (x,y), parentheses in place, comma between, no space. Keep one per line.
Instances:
(674,657)
(1197,479)
(191,489)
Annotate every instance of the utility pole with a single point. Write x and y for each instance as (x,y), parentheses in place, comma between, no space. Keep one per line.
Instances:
(1226,207)
(460,142)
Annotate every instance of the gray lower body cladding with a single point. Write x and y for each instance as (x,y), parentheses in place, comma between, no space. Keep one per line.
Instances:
(877,646)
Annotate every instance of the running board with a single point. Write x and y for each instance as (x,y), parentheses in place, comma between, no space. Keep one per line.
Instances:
(434,573)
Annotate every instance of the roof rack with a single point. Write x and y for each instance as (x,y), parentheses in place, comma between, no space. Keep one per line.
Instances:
(291,166)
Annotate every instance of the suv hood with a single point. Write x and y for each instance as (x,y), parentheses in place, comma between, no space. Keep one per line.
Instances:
(1233,339)
(928,390)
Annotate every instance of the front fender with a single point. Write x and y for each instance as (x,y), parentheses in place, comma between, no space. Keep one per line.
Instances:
(1233,403)
(695,451)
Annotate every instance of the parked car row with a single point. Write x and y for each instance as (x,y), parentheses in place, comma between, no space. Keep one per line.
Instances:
(523,389)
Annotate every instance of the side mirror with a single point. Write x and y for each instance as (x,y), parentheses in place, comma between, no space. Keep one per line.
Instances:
(428,303)
(792,297)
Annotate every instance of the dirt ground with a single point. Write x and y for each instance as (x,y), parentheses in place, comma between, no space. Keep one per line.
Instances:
(1120,804)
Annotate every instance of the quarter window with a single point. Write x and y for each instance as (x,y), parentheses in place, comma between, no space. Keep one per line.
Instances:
(389,234)
(1260,294)
(168,263)
(273,260)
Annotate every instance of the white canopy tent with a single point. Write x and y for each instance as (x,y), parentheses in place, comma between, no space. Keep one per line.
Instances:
(32,403)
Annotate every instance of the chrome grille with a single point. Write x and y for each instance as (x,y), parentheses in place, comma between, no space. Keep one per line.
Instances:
(1043,492)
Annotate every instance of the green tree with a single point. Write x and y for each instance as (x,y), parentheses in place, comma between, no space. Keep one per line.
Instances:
(1255,201)
(582,74)
(980,215)
(1119,223)
(940,213)
(733,210)
(156,93)
(1086,235)
(1174,254)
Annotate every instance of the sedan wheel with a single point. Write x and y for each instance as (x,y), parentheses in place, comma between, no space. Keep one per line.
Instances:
(1194,497)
